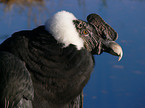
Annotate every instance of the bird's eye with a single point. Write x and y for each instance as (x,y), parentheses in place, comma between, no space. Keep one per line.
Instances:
(85,32)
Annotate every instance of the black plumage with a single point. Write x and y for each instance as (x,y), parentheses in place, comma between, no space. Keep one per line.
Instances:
(16,88)
(52,68)
(38,71)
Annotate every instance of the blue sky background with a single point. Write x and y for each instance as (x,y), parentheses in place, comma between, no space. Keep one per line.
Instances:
(113,84)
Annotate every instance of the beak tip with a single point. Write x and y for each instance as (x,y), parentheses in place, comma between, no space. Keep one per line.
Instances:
(115,49)
(120,56)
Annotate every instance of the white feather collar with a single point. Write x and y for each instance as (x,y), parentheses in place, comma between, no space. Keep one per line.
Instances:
(62,28)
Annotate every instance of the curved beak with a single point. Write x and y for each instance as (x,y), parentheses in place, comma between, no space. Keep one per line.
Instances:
(113,48)
(105,37)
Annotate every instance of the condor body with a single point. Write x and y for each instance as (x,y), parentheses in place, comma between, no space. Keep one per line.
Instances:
(48,67)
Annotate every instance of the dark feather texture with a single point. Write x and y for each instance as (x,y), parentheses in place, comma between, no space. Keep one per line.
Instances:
(58,74)
(48,67)
(16,88)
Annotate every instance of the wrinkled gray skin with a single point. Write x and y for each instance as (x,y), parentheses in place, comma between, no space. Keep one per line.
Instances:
(98,36)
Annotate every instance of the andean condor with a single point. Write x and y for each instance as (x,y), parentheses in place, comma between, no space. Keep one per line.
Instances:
(49,66)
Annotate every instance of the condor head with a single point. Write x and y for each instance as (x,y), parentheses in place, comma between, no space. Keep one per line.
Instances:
(98,36)
(95,35)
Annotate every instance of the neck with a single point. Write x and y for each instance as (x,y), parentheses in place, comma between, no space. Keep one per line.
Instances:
(62,28)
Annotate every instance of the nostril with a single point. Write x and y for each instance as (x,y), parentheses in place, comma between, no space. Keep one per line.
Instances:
(104,35)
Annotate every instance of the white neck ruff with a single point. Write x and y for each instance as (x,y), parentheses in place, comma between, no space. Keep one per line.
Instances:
(62,28)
